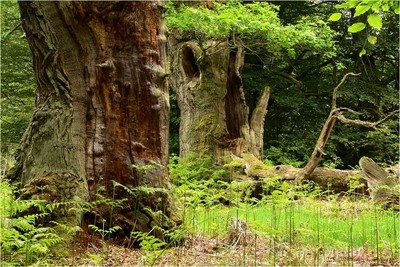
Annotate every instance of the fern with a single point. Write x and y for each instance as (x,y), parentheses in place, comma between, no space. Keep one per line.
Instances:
(22,241)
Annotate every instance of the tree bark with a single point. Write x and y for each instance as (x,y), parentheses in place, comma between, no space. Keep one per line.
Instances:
(214,115)
(101,108)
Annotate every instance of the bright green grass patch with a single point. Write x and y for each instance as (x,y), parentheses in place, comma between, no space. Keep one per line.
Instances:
(342,224)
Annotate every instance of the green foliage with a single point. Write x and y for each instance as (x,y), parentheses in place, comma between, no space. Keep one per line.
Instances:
(147,241)
(297,110)
(23,240)
(374,10)
(195,168)
(363,6)
(103,231)
(287,155)
(335,16)
(356,27)
(17,79)
(251,22)
(375,21)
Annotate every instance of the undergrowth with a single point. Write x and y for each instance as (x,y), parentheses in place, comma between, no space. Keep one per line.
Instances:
(301,217)
(227,221)
(24,240)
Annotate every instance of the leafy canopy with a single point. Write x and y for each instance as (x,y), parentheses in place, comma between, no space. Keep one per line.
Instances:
(257,24)
(372,10)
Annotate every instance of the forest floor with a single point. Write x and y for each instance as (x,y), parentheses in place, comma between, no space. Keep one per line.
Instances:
(252,250)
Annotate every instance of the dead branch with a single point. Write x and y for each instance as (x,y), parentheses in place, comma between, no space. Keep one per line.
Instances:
(335,114)
(383,187)
(366,123)
(338,86)
(10,32)
(291,78)
(257,121)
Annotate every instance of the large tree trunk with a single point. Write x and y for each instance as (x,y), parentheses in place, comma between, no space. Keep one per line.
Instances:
(214,115)
(101,107)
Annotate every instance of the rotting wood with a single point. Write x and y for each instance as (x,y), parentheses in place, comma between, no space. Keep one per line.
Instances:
(326,178)
(384,188)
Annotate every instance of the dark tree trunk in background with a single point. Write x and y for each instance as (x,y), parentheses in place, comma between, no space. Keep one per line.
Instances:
(214,115)
(101,107)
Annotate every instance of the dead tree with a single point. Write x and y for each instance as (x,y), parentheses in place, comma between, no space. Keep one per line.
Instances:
(336,113)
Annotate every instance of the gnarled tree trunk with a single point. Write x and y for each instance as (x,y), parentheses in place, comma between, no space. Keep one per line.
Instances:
(214,115)
(101,108)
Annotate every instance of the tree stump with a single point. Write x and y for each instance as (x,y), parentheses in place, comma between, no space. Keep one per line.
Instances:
(384,188)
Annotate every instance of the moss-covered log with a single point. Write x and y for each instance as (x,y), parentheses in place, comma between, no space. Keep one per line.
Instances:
(101,108)
(326,178)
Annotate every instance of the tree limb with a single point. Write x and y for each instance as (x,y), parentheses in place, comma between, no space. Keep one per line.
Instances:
(291,78)
(366,123)
(337,87)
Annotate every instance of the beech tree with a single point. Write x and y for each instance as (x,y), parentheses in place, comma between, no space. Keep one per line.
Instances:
(100,124)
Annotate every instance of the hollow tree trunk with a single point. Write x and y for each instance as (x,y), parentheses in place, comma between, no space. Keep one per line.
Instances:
(214,115)
(101,108)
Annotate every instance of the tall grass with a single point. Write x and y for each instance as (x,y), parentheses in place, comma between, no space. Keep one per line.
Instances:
(300,219)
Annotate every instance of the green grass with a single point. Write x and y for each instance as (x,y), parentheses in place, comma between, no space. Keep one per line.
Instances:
(316,223)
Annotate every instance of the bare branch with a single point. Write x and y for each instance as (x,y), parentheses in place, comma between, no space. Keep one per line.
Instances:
(367,124)
(291,78)
(337,87)
(348,110)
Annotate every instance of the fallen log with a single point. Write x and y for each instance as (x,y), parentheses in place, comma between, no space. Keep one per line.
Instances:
(326,178)
(383,187)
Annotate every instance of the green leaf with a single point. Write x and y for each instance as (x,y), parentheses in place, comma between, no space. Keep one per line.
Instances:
(372,39)
(356,27)
(349,4)
(396,7)
(375,21)
(376,6)
(335,16)
(363,52)
(385,7)
(362,8)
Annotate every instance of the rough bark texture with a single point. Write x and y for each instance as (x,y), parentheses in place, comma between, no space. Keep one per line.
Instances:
(214,115)
(101,106)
